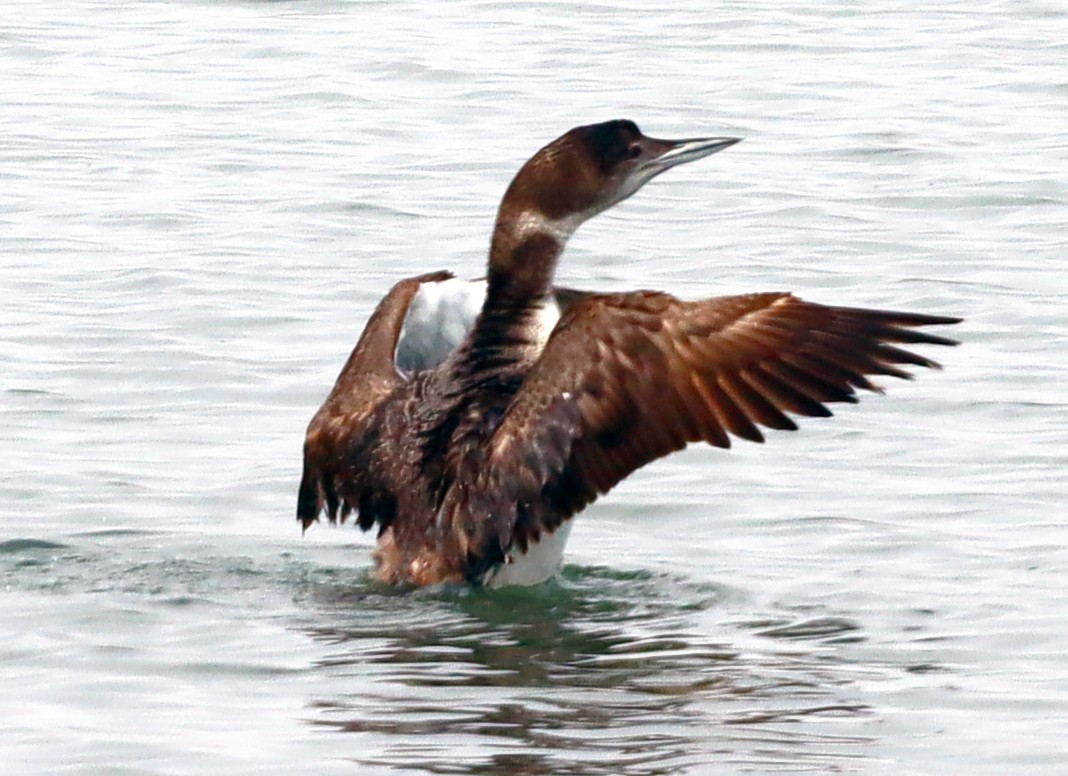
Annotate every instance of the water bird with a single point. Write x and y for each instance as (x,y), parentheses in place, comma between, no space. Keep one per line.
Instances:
(472,458)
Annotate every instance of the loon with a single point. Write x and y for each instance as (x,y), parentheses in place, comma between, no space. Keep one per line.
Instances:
(471,460)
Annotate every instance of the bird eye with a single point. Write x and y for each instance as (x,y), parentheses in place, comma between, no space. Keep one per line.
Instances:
(634,151)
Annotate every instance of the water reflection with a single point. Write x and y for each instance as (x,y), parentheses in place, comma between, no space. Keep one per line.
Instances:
(597,673)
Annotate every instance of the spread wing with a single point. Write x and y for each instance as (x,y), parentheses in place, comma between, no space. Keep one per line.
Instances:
(628,378)
(369,375)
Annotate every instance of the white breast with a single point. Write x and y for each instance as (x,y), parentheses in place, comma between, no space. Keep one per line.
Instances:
(540,562)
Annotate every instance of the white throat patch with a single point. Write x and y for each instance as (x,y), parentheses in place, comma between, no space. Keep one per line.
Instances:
(532,222)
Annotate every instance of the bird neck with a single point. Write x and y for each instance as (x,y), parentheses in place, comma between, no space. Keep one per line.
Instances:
(523,257)
(524,252)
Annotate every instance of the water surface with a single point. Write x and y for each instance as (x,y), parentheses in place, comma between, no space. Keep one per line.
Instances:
(200,204)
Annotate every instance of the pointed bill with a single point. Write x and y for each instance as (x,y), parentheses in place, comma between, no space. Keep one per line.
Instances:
(665,154)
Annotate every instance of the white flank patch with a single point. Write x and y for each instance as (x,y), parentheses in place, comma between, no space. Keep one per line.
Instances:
(540,562)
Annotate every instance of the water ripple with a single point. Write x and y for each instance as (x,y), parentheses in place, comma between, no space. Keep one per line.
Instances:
(600,672)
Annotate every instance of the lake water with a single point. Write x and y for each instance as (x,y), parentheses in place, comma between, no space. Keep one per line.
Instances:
(200,202)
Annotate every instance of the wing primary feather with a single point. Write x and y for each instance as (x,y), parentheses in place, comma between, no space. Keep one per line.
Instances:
(816,389)
(712,426)
(782,393)
(755,404)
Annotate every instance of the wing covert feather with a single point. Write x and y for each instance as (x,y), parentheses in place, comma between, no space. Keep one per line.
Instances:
(628,378)
(368,377)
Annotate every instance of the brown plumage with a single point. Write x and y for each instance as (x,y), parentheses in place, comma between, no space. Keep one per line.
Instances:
(367,378)
(466,466)
(629,378)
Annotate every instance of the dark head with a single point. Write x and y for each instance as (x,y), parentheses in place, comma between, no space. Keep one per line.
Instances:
(591,168)
(574,178)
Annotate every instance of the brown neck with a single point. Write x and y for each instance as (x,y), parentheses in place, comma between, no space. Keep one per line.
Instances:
(522,276)
(523,255)
(523,258)
(504,342)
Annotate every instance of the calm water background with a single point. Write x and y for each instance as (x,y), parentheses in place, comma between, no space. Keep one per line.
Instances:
(201,201)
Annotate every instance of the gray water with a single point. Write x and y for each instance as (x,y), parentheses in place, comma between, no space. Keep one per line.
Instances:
(200,202)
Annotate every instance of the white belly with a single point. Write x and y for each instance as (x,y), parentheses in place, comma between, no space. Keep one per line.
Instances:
(540,562)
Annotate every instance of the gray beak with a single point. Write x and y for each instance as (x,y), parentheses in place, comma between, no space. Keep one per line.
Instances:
(660,155)
(665,154)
